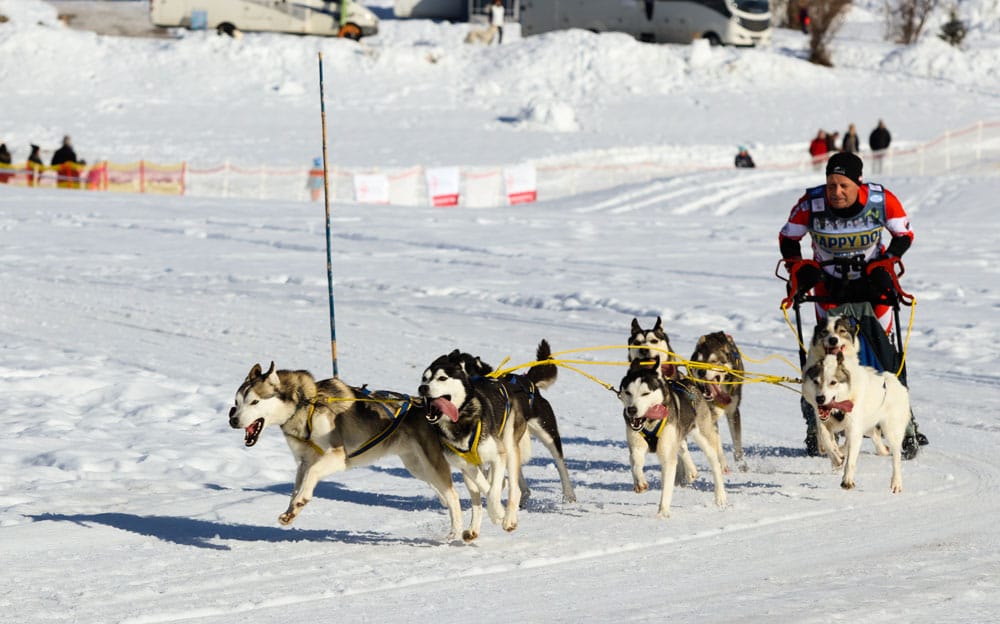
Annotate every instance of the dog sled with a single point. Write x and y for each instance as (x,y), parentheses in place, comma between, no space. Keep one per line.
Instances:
(878,349)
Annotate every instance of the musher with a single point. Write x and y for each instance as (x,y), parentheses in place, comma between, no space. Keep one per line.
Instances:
(845,219)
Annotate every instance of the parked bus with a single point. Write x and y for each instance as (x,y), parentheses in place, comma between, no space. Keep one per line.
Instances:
(304,17)
(729,22)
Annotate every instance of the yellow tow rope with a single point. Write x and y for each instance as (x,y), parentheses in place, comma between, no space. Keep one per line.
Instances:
(742,375)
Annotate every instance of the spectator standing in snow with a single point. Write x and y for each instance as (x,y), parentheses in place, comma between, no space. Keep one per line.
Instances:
(496,19)
(818,150)
(879,141)
(6,172)
(744,160)
(804,17)
(34,166)
(315,181)
(831,142)
(851,143)
(67,167)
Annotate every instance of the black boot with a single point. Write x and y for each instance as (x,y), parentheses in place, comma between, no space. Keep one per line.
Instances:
(910,447)
(812,443)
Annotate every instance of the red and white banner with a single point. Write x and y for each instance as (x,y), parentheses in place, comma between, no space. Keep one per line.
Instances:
(371,188)
(443,186)
(521,182)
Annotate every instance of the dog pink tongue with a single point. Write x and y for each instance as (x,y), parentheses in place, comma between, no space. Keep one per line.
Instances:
(657,412)
(447,408)
(719,396)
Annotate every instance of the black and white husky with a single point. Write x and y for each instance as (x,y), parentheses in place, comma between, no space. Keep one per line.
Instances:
(856,399)
(721,385)
(483,421)
(645,344)
(331,427)
(659,413)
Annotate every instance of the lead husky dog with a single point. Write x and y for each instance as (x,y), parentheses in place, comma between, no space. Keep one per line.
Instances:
(331,427)
(659,413)
(484,422)
(862,398)
(722,386)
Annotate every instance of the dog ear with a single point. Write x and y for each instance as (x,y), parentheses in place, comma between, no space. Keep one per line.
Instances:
(658,325)
(636,329)
(272,375)
(254,373)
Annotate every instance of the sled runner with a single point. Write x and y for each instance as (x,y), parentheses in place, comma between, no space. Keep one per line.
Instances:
(878,349)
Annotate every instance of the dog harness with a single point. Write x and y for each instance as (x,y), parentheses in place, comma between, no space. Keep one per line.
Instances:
(381,397)
(395,416)
(471,455)
(652,436)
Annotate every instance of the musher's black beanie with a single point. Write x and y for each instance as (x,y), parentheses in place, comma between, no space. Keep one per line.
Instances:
(845,164)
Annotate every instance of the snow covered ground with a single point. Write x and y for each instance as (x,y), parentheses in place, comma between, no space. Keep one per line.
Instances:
(130,320)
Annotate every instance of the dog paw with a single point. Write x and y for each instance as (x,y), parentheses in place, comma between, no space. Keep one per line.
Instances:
(663,514)
(641,487)
(847,485)
(569,498)
(509,525)
(721,502)
(286,518)
(897,488)
(469,535)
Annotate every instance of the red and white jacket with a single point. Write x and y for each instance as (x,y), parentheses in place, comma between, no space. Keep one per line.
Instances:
(854,233)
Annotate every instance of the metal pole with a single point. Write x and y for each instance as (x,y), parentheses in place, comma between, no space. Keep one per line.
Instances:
(326,203)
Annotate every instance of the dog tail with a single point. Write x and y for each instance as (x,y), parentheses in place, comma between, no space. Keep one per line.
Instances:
(543,375)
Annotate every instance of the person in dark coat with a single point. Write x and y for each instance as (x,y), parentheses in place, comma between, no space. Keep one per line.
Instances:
(66,164)
(879,141)
(744,160)
(6,172)
(35,166)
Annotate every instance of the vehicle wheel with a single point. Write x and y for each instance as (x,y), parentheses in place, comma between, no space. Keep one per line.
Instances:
(225,28)
(350,31)
(713,39)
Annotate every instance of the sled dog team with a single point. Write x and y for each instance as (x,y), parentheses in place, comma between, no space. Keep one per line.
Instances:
(481,423)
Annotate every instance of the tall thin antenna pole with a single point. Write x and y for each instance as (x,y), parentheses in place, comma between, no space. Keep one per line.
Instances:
(326,202)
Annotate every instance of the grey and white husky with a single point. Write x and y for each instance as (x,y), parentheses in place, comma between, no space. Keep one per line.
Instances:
(484,422)
(856,399)
(721,386)
(331,427)
(659,413)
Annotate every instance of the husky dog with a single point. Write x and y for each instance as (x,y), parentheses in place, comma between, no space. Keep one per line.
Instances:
(540,418)
(659,413)
(833,335)
(721,387)
(483,422)
(331,427)
(645,344)
(861,398)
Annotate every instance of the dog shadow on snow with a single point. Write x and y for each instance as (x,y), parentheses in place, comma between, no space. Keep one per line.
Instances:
(212,534)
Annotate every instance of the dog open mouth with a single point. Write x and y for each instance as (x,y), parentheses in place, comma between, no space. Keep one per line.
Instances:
(833,349)
(837,409)
(442,406)
(717,395)
(253,432)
